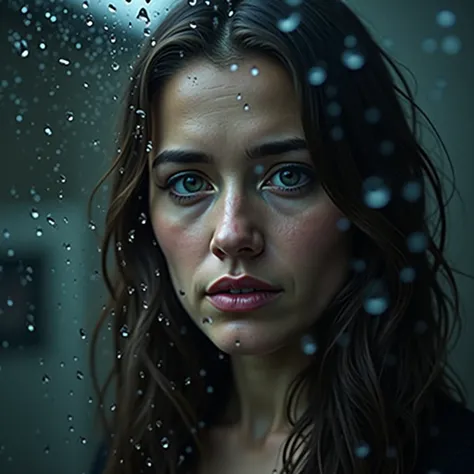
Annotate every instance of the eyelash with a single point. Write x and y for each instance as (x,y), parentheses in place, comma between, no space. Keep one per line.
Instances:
(298,189)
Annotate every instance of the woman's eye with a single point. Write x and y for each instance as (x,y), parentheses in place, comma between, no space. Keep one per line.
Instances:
(291,177)
(190,183)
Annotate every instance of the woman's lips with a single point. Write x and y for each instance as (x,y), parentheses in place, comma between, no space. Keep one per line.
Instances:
(242,302)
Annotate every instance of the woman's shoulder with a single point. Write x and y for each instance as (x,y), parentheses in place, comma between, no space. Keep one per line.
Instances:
(448,447)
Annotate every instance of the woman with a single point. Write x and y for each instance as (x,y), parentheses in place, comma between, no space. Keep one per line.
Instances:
(264,323)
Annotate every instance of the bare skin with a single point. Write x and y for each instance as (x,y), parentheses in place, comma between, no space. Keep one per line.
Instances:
(244,218)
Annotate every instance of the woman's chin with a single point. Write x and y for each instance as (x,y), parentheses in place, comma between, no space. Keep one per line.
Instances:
(244,340)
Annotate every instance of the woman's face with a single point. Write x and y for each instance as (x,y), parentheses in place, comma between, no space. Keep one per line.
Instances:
(219,207)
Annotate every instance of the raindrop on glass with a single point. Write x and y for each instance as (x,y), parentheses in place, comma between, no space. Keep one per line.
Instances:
(353,60)
(237,343)
(289,24)
(376,194)
(362,451)
(254,71)
(411,191)
(308,345)
(451,45)
(429,45)
(34,213)
(51,221)
(317,76)
(407,275)
(165,442)
(446,19)
(234,67)
(207,320)
(417,242)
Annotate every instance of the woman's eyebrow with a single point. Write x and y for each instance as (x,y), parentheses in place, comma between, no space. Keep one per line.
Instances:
(276,147)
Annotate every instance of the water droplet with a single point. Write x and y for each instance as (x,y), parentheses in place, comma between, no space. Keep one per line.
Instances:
(143,16)
(124,332)
(407,275)
(411,191)
(207,320)
(308,345)
(317,76)
(417,242)
(112,8)
(64,62)
(187,381)
(48,131)
(446,19)
(115,66)
(289,24)
(51,221)
(362,451)
(34,213)
(46,379)
(451,45)
(82,333)
(373,115)
(92,226)
(429,45)
(181,292)
(22,48)
(234,67)
(193,25)
(165,442)
(239,96)
(192,3)
(69,116)
(39,232)
(142,219)
(237,343)
(246,107)
(353,60)
(343,224)
(255,71)
(377,195)
(376,300)
(80,375)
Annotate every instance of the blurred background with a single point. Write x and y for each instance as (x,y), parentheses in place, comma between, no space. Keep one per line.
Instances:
(63,66)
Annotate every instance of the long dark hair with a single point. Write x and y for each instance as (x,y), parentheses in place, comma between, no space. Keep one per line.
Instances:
(376,375)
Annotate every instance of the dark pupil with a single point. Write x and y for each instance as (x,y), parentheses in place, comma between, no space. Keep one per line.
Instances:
(290,176)
(192,183)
